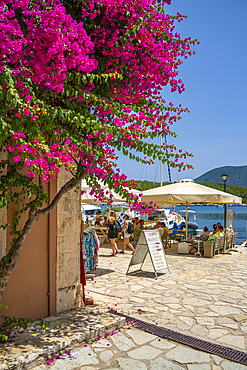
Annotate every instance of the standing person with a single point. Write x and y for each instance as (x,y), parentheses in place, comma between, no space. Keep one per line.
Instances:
(126,234)
(98,218)
(105,224)
(114,229)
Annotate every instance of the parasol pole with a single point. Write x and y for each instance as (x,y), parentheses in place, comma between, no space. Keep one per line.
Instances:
(186,204)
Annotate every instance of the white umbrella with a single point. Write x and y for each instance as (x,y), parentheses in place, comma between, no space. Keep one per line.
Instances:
(89,207)
(90,199)
(187,192)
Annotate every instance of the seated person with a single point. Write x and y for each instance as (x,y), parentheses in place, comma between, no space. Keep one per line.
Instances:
(140,225)
(135,222)
(214,229)
(205,234)
(220,231)
(165,234)
(218,225)
(157,225)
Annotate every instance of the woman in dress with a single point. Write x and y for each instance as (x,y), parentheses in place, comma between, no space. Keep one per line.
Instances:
(112,231)
(126,234)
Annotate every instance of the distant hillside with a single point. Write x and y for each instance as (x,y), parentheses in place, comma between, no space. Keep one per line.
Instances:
(237,175)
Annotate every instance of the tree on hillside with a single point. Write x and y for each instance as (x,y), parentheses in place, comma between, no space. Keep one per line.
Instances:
(79,80)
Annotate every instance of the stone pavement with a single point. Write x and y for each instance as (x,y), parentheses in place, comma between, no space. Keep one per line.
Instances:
(202,297)
(132,349)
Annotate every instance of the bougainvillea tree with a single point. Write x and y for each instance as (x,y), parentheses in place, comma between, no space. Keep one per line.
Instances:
(80,80)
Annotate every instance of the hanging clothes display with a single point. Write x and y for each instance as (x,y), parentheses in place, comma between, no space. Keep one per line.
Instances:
(90,249)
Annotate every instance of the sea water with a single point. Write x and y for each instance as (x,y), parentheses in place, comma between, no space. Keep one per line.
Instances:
(209,215)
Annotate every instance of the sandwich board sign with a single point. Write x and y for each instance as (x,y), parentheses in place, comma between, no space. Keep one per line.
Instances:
(150,241)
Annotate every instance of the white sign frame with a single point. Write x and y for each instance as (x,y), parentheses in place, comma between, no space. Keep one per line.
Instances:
(150,241)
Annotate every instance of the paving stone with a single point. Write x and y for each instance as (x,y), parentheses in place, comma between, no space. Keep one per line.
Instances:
(216,359)
(217,333)
(84,356)
(199,367)
(140,337)
(234,340)
(215,367)
(199,330)
(240,317)
(244,327)
(230,326)
(225,310)
(122,342)
(228,365)
(102,343)
(187,355)
(187,320)
(205,320)
(106,356)
(129,364)
(145,353)
(161,364)
(196,301)
(162,344)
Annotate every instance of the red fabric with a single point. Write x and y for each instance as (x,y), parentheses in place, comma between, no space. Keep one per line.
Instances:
(83,276)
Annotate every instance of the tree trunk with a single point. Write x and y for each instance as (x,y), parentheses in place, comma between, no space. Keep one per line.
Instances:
(6,269)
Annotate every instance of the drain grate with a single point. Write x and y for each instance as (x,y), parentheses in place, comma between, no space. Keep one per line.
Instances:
(199,344)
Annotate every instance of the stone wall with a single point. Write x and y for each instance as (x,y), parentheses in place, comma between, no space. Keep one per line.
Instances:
(69,291)
(3,218)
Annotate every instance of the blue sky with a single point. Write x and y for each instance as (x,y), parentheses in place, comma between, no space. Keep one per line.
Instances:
(216,82)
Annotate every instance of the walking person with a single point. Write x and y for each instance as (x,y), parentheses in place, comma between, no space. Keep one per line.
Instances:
(113,229)
(128,230)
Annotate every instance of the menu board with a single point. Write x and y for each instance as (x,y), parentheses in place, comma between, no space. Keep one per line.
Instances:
(156,250)
(150,241)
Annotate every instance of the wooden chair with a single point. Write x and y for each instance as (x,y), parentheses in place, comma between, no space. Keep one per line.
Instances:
(228,242)
(221,246)
(167,239)
(179,236)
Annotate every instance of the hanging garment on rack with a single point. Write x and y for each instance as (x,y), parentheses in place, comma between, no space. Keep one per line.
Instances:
(90,249)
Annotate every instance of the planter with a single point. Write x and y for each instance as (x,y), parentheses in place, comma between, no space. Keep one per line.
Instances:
(208,249)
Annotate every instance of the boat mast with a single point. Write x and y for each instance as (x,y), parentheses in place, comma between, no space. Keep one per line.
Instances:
(161,164)
(169,170)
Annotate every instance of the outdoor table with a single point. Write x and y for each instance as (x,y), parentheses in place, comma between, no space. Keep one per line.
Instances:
(194,242)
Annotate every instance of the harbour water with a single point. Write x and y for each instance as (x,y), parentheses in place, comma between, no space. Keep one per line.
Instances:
(209,215)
